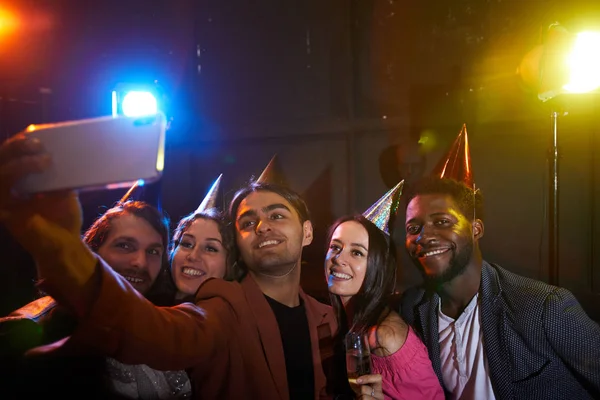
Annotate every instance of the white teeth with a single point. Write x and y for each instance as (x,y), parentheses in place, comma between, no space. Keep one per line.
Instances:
(133,279)
(268,242)
(341,275)
(435,252)
(192,271)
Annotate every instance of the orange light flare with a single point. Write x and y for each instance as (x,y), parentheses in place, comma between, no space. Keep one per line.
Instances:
(9,22)
(21,21)
(24,33)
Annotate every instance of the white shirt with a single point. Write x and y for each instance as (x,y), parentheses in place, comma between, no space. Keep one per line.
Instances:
(464,363)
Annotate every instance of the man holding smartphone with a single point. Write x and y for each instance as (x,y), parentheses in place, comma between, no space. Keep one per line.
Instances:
(233,341)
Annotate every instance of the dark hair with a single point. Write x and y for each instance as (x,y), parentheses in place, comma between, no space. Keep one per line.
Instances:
(292,197)
(469,201)
(372,300)
(97,233)
(223,224)
(160,292)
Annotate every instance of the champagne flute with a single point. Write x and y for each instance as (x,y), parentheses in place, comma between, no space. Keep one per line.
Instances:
(358,358)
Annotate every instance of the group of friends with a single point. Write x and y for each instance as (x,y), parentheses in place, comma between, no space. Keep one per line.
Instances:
(217,311)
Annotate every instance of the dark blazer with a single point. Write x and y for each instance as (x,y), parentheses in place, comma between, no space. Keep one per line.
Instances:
(539,342)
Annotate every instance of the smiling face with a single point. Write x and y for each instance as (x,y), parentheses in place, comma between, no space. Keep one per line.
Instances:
(269,233)
(134,249)
(346,260)
(199,255)
(439,238)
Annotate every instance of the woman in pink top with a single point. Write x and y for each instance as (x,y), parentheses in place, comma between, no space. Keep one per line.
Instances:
(360,268)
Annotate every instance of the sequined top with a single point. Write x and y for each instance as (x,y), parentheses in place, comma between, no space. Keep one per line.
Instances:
(144,383)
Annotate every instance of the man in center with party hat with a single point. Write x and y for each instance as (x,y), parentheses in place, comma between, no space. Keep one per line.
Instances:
(491,334)
(236,340)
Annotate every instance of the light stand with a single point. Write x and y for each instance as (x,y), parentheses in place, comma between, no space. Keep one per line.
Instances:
(563,63)
(553,243)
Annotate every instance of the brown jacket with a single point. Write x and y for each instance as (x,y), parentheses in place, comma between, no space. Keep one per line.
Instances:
(229,341)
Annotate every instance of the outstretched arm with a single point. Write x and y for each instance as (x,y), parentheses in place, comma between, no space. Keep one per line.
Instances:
(114,319)
(122,324)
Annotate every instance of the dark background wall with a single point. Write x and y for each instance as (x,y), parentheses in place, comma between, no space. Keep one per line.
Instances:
(333,88)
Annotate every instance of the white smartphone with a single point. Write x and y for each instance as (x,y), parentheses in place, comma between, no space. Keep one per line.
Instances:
(99,153)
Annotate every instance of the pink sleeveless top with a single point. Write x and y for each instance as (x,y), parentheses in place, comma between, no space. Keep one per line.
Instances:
(407,374)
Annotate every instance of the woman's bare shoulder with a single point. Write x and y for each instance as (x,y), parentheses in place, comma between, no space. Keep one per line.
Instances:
(391,335)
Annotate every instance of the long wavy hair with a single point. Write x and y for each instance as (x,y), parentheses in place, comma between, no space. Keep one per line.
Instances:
(371,303)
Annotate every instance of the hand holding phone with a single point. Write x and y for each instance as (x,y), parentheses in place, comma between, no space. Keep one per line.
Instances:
(95,153)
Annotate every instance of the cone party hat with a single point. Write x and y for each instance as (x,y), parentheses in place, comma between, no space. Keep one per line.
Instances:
(273,174)
(130,192)
(210,200)
(385,208)
(456,163)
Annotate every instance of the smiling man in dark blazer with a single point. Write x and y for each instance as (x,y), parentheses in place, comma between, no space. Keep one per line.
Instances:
(491,334)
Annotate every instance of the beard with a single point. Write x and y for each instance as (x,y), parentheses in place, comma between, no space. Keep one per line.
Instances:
(141,287)
(457,266)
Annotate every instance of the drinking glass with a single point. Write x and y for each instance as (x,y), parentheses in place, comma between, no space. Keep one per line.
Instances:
(358,358)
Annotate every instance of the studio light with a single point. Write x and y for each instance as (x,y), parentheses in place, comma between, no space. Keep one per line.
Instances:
(564,64)
(137,104)
(584,63)
(136,100)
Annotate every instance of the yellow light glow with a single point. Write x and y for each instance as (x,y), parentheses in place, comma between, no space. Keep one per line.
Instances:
(584,63)
(428,140)
(8,21)
(160,159)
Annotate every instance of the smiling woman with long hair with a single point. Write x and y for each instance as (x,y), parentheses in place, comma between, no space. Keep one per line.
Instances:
(203,247)
(360,268)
